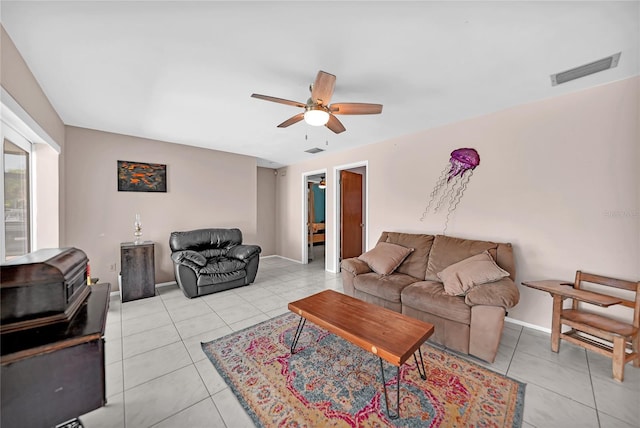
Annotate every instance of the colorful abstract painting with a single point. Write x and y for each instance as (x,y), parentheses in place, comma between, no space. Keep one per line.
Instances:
(141,177)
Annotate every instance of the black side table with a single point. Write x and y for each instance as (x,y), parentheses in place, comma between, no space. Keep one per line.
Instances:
(138,270)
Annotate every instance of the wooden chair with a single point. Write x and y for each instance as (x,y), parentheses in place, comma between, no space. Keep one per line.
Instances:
(585,326)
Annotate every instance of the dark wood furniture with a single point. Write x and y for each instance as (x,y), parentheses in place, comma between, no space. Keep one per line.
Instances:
(591,330)
(54,373)
(42,287)
(138,271)
(317,232)
(391,336)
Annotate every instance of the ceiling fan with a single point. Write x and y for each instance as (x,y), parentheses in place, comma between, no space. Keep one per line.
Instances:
(317,110)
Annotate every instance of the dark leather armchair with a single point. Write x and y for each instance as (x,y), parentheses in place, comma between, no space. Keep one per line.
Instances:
(210,260)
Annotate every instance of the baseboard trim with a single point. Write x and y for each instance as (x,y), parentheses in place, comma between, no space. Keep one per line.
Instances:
(287,258)
(528,325)
(166,284)
(116,293)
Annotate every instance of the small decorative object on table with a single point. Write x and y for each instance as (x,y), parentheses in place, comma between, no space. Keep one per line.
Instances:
(138,229)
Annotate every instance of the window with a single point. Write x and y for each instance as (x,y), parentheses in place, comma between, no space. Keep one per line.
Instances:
(17,205)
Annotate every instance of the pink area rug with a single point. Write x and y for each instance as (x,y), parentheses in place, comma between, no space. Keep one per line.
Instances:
(329,382)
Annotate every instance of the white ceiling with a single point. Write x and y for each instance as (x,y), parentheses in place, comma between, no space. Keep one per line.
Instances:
(183,72)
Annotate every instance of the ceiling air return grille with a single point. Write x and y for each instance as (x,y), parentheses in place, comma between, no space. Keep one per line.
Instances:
(585,70)
(314,150)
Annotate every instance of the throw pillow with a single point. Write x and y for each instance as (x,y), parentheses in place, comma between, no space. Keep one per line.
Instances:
(384,258)
(416,263)
(461,277)
(447,250)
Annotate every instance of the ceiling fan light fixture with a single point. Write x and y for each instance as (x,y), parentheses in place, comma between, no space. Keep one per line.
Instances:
(316,116)
(322,184)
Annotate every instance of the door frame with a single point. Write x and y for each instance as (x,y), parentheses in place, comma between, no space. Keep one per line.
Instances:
(335,261)
(305,214)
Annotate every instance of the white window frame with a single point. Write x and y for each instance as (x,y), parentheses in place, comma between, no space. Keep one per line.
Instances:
(16,118)
(7,132)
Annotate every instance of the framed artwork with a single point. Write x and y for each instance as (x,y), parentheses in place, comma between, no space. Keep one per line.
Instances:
(141,177)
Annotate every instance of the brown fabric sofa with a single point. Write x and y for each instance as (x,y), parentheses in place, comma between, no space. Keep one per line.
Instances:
(471,323)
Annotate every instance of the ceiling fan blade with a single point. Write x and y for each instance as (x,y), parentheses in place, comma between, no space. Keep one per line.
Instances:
(355,108)
(278,100)
(335,125)
(294,119)
(323,87)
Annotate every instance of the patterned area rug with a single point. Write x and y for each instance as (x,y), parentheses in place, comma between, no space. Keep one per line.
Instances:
(330,382)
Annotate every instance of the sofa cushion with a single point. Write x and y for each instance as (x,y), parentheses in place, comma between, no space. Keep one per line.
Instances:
(447,251)
(205,238)
(211,253)
(460,277)
(244,252)
(429,297)
(386,287)
(416,263)
(384,258)
(222,265)
(219,278)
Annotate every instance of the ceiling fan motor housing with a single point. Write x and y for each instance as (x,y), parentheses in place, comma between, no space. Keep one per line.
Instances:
(316,115)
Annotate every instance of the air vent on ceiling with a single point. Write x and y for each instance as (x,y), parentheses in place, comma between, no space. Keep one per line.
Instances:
(585,70)
(314,150)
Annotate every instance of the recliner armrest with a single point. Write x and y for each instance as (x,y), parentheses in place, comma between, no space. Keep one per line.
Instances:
(503,293)
(244,252)
(355,266)
(185,256)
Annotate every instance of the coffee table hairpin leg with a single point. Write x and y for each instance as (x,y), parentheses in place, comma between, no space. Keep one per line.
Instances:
(423,376)
(297,335)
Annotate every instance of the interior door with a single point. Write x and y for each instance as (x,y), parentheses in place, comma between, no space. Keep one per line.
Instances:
(310,218)
(350,215)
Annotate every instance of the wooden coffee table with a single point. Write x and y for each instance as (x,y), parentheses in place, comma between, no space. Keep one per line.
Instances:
(391,336)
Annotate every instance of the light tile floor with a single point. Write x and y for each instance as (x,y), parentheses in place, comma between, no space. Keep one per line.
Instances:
(158,375)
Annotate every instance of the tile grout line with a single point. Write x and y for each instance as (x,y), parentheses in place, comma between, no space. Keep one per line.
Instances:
(593,389)
(515,348)
(172,371)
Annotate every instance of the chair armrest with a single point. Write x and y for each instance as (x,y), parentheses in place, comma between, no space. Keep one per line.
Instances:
(502,293)
(355,266)
(244,252)
(185,256)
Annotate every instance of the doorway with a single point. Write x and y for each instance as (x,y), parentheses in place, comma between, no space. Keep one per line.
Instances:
(351,211)
(314,218)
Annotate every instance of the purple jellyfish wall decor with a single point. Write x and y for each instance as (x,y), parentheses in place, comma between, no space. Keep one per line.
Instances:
(453,182)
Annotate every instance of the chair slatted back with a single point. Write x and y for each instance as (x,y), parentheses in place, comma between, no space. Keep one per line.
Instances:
(616,283)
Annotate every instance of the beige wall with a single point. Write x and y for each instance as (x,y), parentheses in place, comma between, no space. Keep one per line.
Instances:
(206,188)
(46,196)
(266,211)
(18,81)
(557,178)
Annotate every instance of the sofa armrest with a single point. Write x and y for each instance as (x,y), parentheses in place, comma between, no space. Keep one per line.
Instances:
(503,293)
(244,252)
(189,258)
(355,266)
